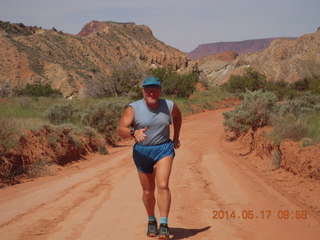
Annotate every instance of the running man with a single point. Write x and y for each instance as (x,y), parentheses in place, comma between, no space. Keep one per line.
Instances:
(148,120)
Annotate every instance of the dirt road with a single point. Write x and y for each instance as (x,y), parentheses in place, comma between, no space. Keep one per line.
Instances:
(100,198)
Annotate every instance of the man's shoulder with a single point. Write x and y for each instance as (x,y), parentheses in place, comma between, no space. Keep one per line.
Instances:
(166,100)
(135,103)
(170,102)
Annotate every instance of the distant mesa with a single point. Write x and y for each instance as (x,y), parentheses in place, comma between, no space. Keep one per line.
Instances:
(241,47)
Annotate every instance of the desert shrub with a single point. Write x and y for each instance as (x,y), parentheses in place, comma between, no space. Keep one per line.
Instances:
(39,90)
(124,78)
(186,85)
(135,93)
(175,84)
(315,85)
(276,159)
(209,99)
(289,126)
(311,84)
(38,169)
(62,113)
(104,117)
(281,89)
(96,137)
(8,134)
(9,137)
(253,112)
(311,98)
(250,80)
(17,29)
(313,123)
(294,107)
(6,89)
(301,85)
(160,73)
(297,119)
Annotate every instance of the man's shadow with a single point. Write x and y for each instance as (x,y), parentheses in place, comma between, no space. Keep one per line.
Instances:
(182,233)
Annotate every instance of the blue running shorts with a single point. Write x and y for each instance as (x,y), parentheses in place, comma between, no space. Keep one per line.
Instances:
(145,157)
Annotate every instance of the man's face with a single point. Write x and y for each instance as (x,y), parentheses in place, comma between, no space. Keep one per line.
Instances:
(151,94)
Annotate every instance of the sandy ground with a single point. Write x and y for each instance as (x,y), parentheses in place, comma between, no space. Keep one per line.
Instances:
(214,196)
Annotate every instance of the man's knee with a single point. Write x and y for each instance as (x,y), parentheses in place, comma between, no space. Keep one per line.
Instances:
(163,186)
(148,193)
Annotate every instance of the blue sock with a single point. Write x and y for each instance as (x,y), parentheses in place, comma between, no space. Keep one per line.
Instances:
(152,218)
(163,220)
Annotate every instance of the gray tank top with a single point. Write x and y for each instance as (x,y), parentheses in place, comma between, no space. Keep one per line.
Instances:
(157,121)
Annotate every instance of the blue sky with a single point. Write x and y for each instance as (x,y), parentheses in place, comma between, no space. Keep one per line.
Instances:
(183,24)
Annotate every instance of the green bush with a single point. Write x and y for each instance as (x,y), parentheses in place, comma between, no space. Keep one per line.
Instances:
(294,107)
(6,89)
(313,123)
(250,80)
(290,127)
(254,112)
(17,29)
(124,78)
(307,84)
(297,119)
(62,113)
(8,134)
(135,93)
(40,90)
(175,84)
(209,99)
(315,85)
(301,85)
(281,89)
(104,117)
(96,137)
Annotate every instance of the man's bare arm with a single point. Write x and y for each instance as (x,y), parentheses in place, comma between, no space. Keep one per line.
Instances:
(177,122)
(126,123)
(125,126)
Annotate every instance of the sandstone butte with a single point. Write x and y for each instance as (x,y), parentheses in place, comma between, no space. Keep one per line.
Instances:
(241,47)
(284,60)
(72,62)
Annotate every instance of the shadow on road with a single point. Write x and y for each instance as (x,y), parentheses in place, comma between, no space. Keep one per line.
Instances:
(182,233)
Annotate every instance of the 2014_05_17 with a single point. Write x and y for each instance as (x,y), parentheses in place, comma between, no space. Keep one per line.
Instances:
(262,214)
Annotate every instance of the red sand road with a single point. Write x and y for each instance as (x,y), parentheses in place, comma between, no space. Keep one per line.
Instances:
(101,198)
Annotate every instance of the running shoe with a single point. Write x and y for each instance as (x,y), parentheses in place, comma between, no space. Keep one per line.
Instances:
(152,229)
(163,231)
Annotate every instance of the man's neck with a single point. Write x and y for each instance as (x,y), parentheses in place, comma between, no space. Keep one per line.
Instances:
(153,106)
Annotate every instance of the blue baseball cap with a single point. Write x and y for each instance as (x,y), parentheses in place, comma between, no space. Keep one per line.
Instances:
(151,82)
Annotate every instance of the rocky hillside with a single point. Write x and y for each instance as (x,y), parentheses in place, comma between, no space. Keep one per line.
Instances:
(284,60)
(241,47)
(72,63)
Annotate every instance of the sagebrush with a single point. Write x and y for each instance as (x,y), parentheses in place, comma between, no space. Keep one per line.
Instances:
(104,117)
(253,112)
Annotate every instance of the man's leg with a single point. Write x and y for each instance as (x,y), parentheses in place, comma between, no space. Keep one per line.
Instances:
(163,170)
(147,181)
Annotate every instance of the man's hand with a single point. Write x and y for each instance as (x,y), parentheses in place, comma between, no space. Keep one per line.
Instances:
(140,135)
(176,143)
